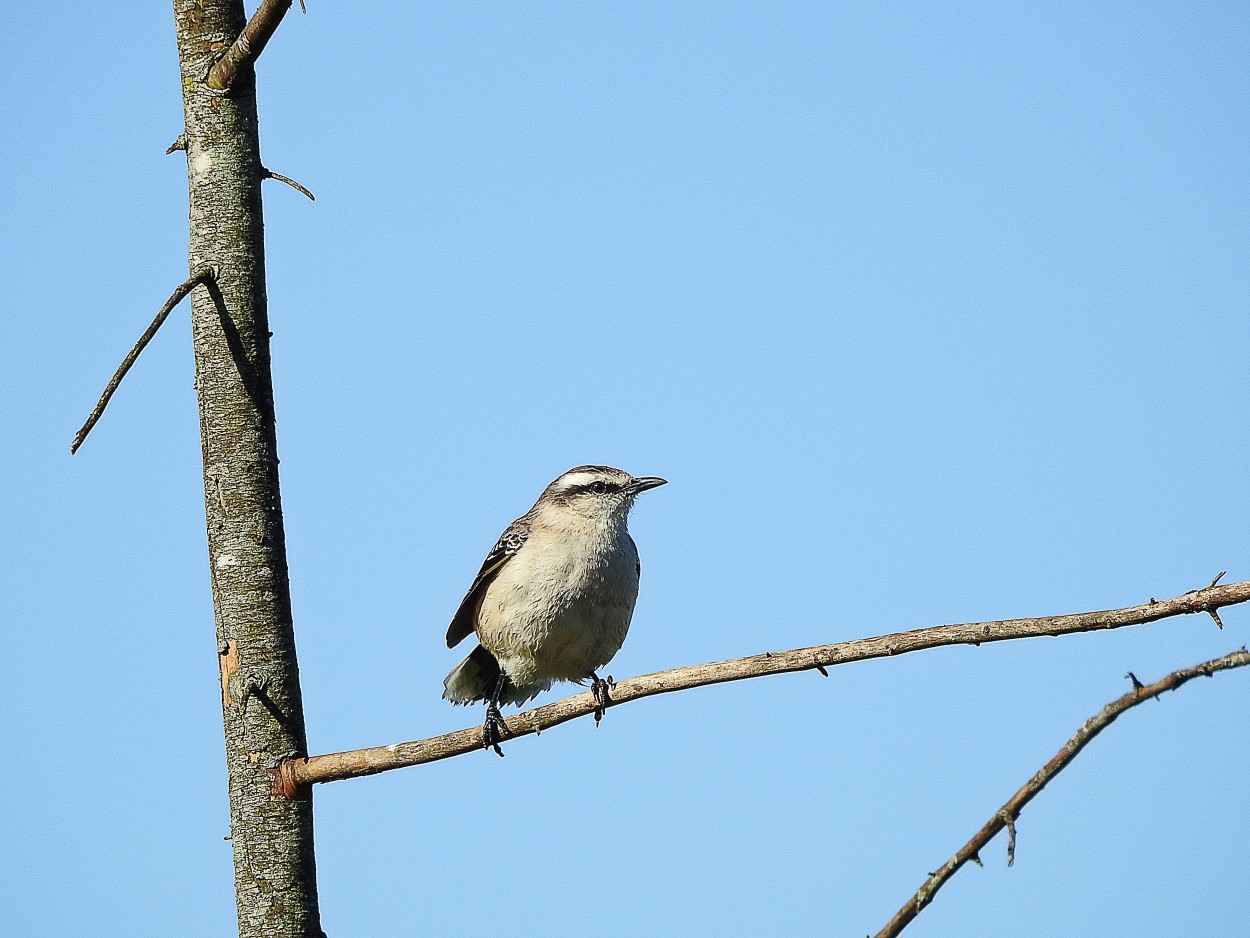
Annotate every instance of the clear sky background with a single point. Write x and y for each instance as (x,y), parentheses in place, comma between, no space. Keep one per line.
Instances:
(930,313)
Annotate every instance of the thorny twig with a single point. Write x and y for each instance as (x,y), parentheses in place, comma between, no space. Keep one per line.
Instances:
(1007,814)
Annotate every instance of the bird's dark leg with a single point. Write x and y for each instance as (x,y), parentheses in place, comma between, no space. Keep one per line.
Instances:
(494,729)
(600,688)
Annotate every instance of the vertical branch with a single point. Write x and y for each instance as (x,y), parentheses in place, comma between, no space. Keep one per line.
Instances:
(275,875)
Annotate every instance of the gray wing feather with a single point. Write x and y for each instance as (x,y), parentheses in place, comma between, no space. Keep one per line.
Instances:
(465,619)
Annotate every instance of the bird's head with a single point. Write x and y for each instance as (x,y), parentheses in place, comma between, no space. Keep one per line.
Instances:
(596,492)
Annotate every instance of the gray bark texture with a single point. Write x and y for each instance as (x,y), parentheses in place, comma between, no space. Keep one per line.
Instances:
(275,872)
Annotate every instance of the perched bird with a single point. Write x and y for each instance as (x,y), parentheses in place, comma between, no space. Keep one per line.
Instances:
(554,597)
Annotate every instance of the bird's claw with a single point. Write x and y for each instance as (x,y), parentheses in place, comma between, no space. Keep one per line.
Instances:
(600,689)
(494,730)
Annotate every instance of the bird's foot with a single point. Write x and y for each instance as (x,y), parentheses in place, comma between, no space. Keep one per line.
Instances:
(494,730)
(603,699)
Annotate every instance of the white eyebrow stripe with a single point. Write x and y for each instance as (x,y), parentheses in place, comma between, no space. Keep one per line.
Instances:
(575,480)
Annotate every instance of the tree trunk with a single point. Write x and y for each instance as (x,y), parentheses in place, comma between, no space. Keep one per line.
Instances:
(275,872)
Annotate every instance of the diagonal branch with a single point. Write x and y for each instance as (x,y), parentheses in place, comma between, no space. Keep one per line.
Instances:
(203,275)
(294,774)
(1006,816)
(246,49)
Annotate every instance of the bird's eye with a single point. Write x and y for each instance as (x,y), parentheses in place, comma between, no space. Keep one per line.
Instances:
(598,487)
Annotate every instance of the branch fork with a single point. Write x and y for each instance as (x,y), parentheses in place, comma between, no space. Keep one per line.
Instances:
(248,45)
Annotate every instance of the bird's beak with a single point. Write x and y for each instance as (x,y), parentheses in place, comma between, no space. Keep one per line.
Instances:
(646,482)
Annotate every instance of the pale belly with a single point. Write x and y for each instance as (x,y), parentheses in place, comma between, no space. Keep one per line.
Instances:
(545,621)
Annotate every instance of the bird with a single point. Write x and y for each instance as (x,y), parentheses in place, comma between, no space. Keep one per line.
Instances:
(553,599)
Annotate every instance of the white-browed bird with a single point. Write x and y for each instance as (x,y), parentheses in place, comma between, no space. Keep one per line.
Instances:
(553,599)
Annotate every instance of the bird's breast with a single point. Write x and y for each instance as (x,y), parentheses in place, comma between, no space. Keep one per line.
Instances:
(561,607)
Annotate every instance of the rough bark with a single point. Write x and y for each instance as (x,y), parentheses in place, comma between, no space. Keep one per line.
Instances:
(263,717)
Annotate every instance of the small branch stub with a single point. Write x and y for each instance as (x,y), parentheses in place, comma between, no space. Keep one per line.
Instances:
(266,173)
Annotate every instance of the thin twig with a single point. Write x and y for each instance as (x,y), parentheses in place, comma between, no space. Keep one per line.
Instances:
(291,776)
(203,275)
(246,49)
(267,173)
(180,143)
(1006,816)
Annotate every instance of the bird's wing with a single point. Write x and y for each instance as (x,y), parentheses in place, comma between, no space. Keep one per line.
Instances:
(509,543)
(637,557)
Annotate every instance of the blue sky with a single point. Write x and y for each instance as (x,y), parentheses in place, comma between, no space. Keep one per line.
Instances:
(929,313)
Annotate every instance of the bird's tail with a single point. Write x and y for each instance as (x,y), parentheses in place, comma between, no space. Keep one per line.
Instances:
(472,679)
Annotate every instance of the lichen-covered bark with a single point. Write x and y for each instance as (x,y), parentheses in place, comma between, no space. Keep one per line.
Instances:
(263,714)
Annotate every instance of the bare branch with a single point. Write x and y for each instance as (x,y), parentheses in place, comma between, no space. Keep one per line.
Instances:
(246,49)
(290,777)
(203,275)
(180,143)
(267,173)
(1006,816)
